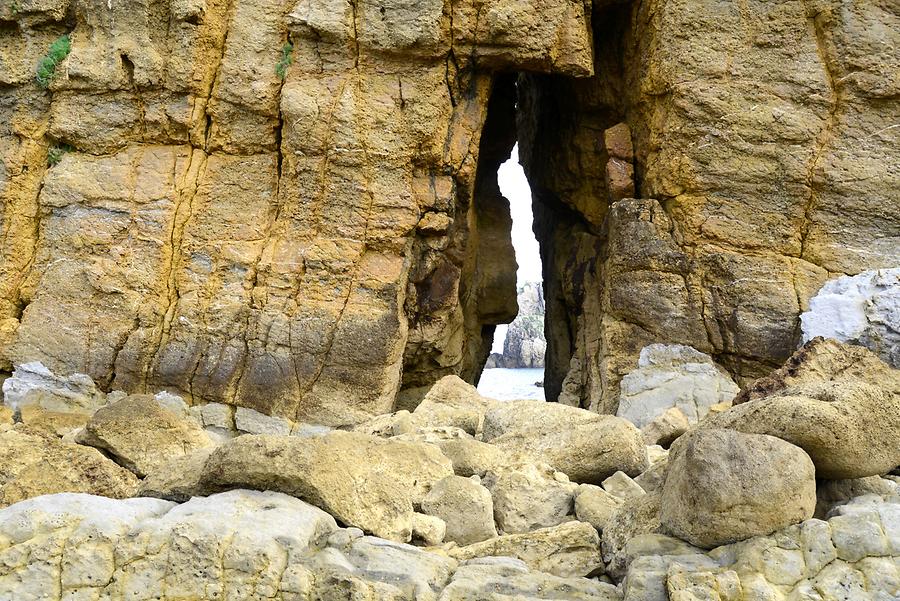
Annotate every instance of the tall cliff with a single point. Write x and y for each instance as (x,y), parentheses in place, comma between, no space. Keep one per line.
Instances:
(524,345)
(281,205)
(292,206)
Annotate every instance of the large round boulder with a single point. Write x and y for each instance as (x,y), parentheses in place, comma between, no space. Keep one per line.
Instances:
(724,486)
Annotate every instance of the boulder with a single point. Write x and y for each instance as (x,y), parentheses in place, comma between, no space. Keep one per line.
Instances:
(31,466)
(473,457)
(673,375)
(861,309)
(832,493)
(584,445)
(452,401)
(529,497)
(178,479)
(570,549)
(724,486)
(849,428)
(142,434)
(364,481)
(595,506)
(250,421)
(44,422)
(466,508)
(820,361)
(665,428)
(428,529)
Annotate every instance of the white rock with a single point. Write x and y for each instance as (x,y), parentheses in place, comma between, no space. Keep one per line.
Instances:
(622,487)
(862,309)
(33,383)
(673,375)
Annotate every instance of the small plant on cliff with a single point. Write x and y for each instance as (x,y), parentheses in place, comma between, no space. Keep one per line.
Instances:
(286,59)
(59,50)
(56,152)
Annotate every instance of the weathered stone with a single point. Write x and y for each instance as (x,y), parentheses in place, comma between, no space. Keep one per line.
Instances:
(583,445)
(673,376)
(34,384)
(665,428)
(831,493)
(364,481)
(617,142)
(849,428)
(250,421)
(143,435)
(622,487)
(506,578)
(637,516)
(31,466)
(595,506)
(179,479)
(452,402)
(529,497)
(619,179)
(861,309)
(473,457)
(819,361)
(570,549)
(524,345)
(429,529)
(37,420)
(466,508)
(724,486)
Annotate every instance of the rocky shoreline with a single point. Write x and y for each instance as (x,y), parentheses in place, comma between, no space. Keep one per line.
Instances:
(787,494)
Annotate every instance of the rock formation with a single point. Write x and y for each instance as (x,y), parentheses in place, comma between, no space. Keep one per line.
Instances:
(253,255)
(524,345)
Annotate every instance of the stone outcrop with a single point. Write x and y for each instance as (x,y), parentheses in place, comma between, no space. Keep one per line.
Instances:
(863,309)
(724,486)
(224,198)
(673,376)
(524,345)
(465,506)
(763,166)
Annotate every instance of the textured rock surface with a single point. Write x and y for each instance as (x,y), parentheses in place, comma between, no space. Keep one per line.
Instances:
(724,486)
(34,384)
(673,376)
(207,226)
(851,556)
(465,506)
(570,549)
(862,309)
(585,446)
(31,466)
(239,545)
(840,403)
(361,480)
(765,150)
(529,497)
(142,434)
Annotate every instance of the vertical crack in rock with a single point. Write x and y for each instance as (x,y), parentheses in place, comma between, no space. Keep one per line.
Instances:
(828,58)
